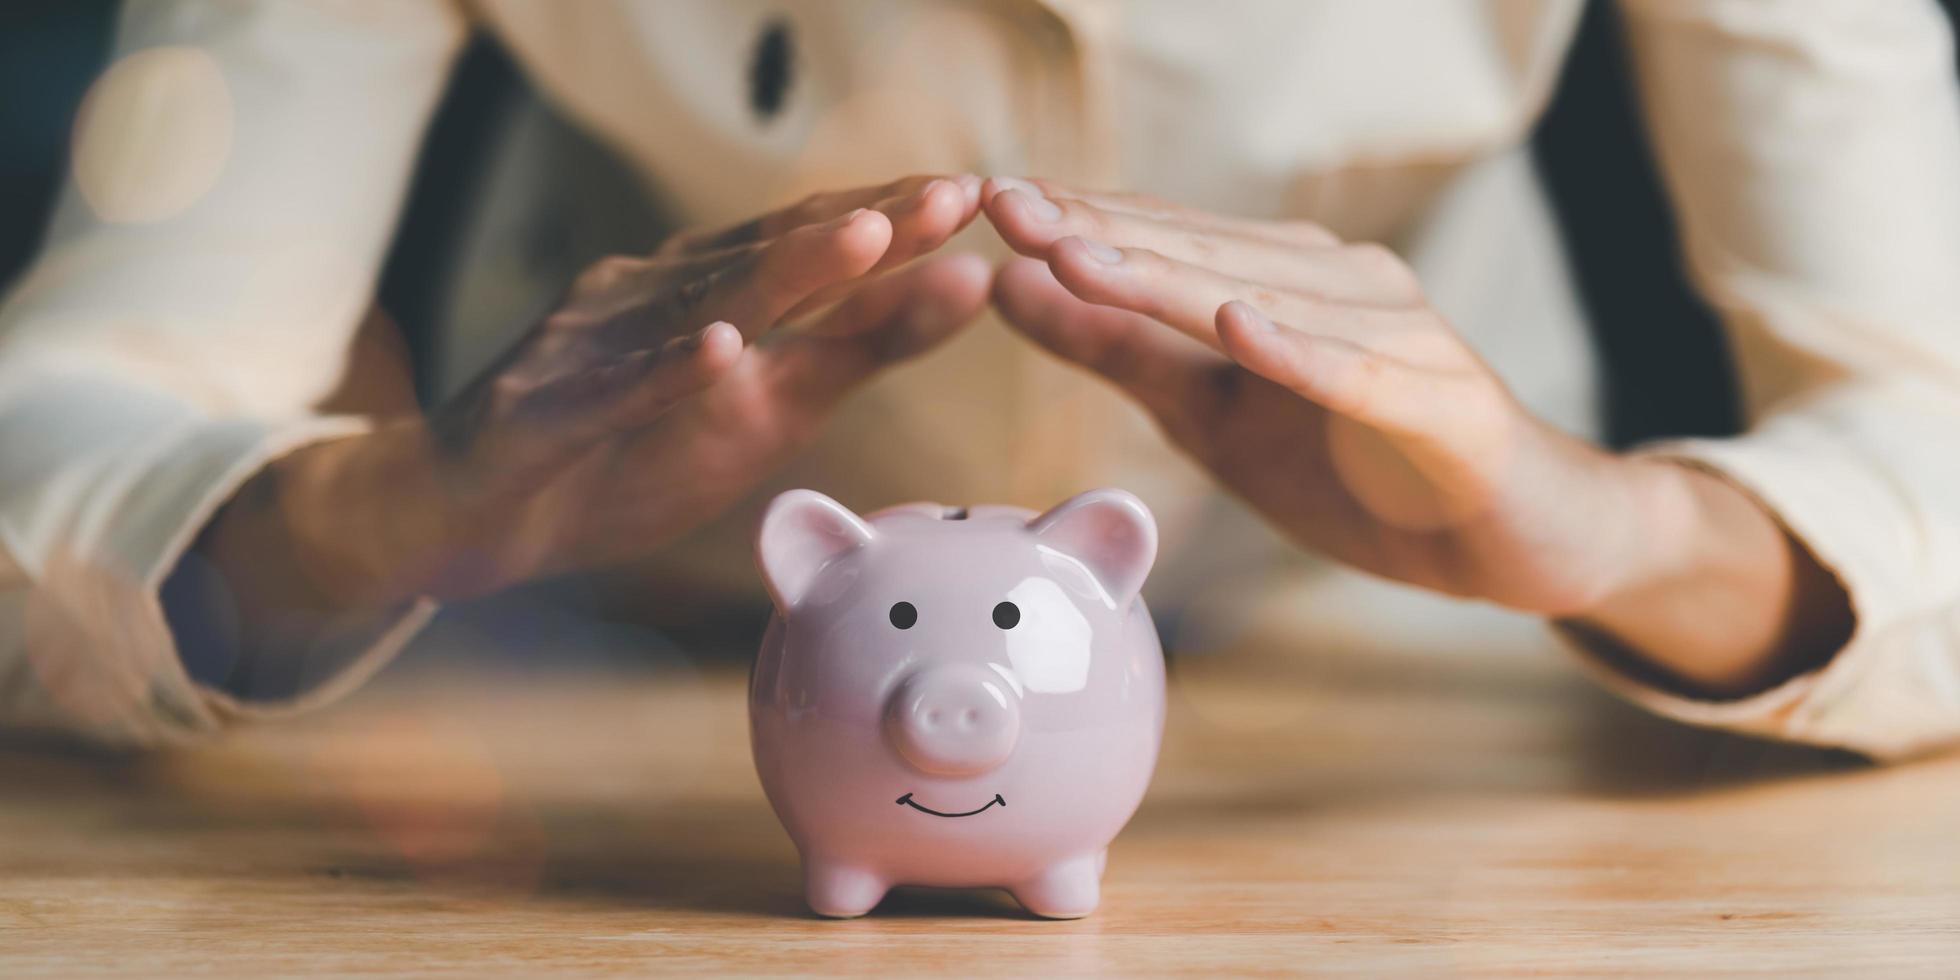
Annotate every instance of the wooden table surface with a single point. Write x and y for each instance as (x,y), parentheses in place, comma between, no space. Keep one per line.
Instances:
(1363,815)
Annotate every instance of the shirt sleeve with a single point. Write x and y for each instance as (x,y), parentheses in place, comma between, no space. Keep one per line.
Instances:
(1812,149)
(235,178)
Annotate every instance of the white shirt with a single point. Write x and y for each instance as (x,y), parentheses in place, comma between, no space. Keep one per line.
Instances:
(239,169)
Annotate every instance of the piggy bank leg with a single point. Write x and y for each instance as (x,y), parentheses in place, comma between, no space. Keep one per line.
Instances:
(841,891)
(1066,890)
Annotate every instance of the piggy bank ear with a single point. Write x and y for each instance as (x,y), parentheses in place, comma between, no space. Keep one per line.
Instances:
(1111,531)
(801,532)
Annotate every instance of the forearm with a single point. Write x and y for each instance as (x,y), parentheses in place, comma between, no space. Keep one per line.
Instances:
(1716,597)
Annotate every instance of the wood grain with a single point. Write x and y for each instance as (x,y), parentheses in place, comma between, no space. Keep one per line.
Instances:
(1365,815)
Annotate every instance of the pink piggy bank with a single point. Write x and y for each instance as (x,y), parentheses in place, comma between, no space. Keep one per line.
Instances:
(956,698)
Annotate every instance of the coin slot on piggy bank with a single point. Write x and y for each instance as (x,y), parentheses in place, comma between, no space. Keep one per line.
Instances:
(956,697)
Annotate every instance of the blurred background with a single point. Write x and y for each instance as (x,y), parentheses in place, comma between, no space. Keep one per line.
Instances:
(510,201)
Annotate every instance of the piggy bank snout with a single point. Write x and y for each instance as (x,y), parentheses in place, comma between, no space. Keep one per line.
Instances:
(953,720)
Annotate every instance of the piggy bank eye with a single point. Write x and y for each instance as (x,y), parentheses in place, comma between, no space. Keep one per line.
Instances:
(903,615)
(1006,615)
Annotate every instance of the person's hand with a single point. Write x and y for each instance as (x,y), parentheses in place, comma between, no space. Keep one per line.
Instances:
(642,407)
(1312,378)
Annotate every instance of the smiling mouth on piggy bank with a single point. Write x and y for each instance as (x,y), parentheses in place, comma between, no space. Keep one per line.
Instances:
(907,800)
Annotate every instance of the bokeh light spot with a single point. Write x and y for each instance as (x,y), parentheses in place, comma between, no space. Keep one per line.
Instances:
(153,135)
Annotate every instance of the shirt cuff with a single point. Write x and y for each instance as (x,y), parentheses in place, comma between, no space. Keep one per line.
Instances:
(1880,695)
(103,660)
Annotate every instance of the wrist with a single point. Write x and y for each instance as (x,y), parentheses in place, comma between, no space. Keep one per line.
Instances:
(1578,528)
(1712,593)
(330,527)
(1661,515)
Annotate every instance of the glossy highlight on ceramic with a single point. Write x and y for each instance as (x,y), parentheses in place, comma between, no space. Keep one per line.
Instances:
(956,698)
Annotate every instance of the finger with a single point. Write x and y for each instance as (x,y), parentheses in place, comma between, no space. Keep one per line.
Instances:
(710,449)
(921,219)
(1284,232)
(756,290)
(1188,296)
(924,220)
(921,222)
(752,286)
(663,377)
(607,278)
(1363,274)
(1346,378)
(895,319)
(815,209)
(549,420)
(618,285)
(1168,374)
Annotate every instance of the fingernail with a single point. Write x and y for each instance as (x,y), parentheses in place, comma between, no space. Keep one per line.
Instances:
(843,221)
(1039,206)
(1102,253)
(1016,184)
(699,338)
(1260,321)
(919,197)
(970,186)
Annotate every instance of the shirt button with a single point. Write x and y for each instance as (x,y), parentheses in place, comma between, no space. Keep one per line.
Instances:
(771,70)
